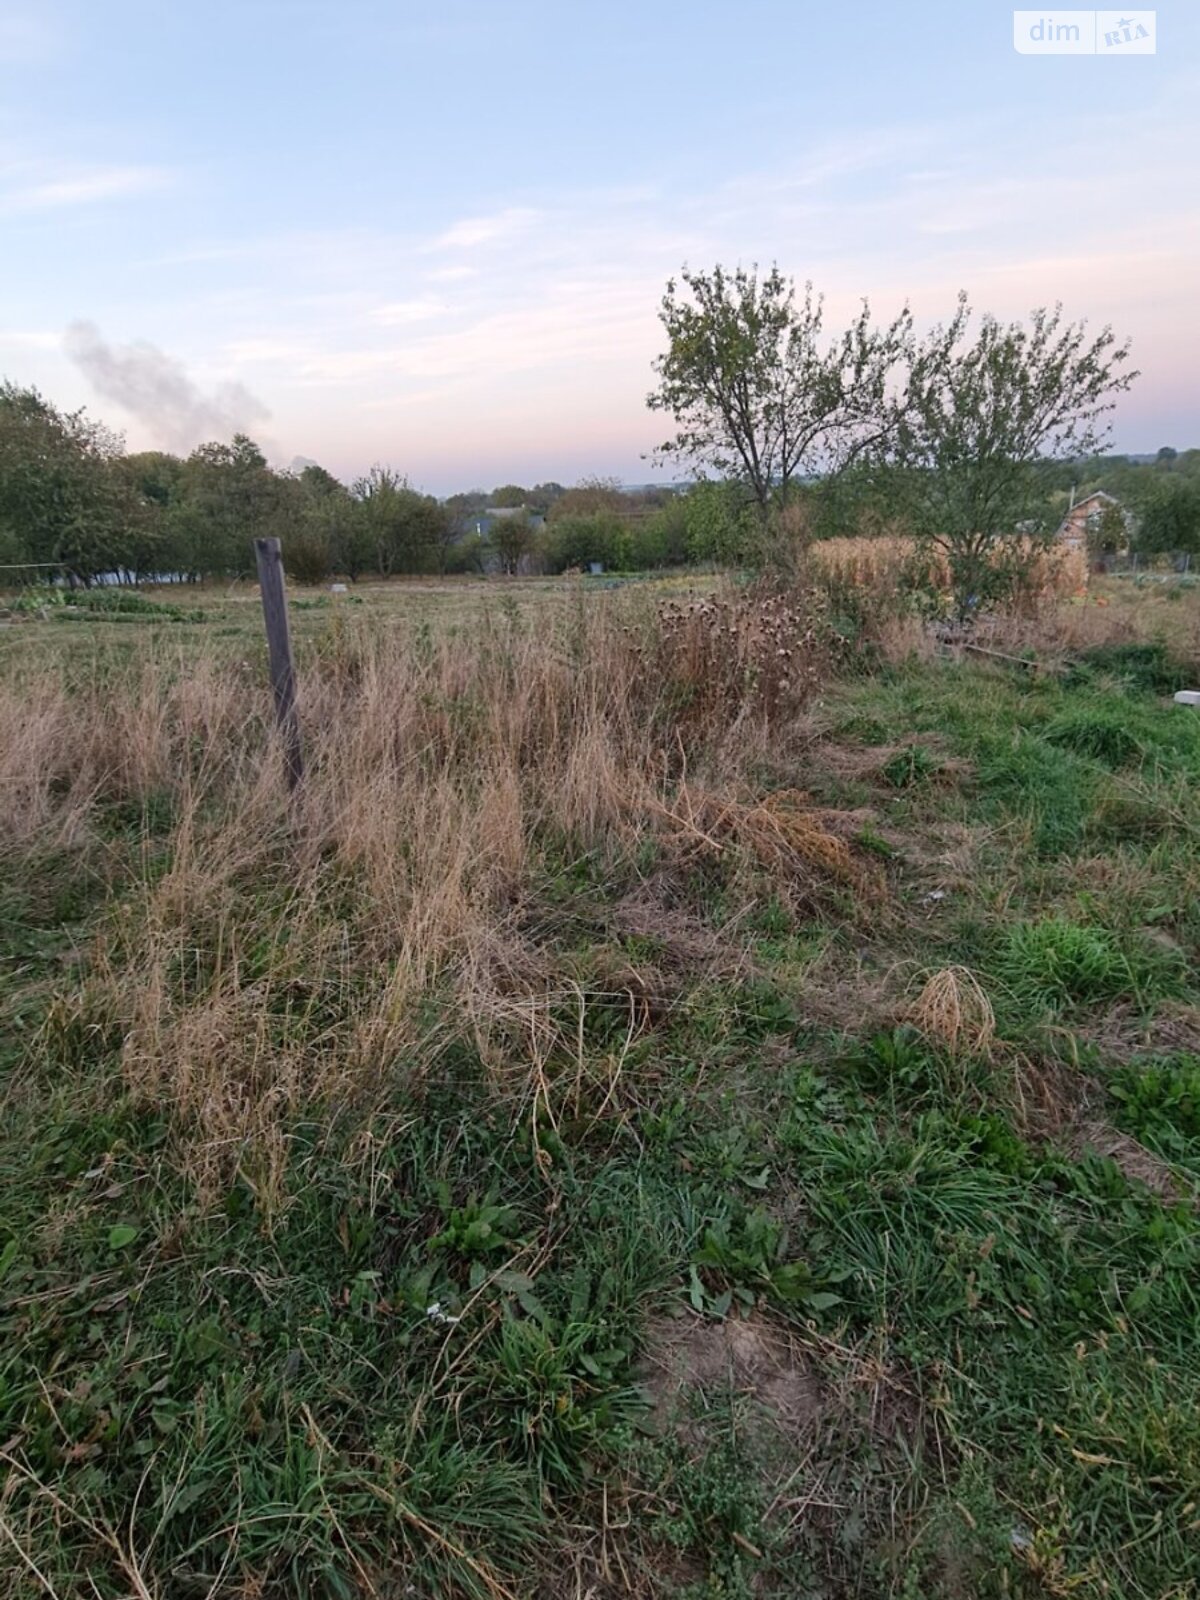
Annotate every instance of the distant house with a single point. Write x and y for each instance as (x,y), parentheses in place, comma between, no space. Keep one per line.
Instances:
(485,520)
(1086,513)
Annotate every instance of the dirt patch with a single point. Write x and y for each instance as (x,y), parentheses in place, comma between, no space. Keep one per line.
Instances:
(1122,1033)
(819,1424)
(803,1390)
(839,984)
(847,823)
(689,1360)
(682,942)
(852,761)
(1137,1163)
(866,762)
(950,847)
(1051,1097)
(938,857)
(1064,1107)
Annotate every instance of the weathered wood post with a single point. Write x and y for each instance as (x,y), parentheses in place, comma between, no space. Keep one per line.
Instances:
(279,652)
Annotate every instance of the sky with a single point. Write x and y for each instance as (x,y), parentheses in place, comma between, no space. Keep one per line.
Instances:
(437,236)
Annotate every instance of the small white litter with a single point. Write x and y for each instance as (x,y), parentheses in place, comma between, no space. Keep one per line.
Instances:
(1188,697)
(436,1314)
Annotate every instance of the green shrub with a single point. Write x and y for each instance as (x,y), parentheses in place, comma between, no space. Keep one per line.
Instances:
(125,601)
(307,557)
(76,603)
(577,541)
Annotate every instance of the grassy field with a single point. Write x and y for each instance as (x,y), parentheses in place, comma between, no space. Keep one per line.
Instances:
(698,1095)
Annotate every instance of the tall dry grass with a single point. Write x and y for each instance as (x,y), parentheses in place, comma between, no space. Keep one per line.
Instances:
(1111,612)
(891,563)
(260,961)
(266,960)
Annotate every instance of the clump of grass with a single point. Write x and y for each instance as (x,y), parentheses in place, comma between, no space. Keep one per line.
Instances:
(1053,962)
(1053,789)
(1102,733)
(783,832)
(953,1009)
(913,764)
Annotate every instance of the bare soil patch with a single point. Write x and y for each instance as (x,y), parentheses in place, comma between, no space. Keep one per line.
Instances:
(1123,1033)
(1137,1163)
(689,1359)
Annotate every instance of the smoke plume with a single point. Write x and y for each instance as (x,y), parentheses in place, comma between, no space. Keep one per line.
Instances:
(155,388)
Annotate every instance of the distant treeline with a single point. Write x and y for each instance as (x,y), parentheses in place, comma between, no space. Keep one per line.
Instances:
(75,503)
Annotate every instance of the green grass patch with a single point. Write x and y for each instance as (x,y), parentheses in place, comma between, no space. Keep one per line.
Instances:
(911,765)
(1051,963)
(1101,733)
(1146,666)
(1157,1099)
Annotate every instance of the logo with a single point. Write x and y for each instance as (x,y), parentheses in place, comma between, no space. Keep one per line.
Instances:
(1126,34)
(1084,33)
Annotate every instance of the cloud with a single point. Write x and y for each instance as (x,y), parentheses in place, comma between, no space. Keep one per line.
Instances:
(402,313)
(155,388)
(526,335)
(484,230)
(254,351)
(84,186)
(457,274)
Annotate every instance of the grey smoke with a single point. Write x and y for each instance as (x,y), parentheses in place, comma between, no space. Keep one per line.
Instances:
(155,388)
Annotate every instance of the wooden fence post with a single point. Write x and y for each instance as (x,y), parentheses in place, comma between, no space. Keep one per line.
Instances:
(279,651)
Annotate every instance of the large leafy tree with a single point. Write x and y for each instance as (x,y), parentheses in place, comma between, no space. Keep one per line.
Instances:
(589,496)
(144,485)
(60,497)
(510,495)
(982,416)
(405,528)
(511,539)
(543,495)
(228,497)
(1170,519)
(758,394)
(321,526)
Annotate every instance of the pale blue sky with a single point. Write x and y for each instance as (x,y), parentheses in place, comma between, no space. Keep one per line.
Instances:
(437,236)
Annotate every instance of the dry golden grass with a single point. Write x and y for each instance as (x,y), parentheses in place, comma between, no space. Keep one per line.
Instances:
(1112,612)
(277,957)
(953,1010)
(782,832)
(883,563)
